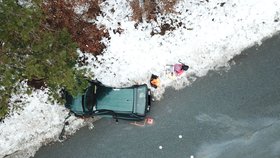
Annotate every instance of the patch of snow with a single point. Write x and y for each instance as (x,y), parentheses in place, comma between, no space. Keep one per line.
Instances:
(36,124)
(211,34)
(81,8)
(25,3)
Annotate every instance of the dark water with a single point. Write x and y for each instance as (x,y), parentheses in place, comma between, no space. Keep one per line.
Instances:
(232,114)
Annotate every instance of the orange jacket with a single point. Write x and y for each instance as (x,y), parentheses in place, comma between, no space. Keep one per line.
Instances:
(155,82)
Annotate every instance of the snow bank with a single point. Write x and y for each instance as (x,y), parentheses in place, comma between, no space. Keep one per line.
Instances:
(36,124)
(206,36)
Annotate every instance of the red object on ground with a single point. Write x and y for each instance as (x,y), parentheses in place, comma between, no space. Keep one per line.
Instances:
(150,121)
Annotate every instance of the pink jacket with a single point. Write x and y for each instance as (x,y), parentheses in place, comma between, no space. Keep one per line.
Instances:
(178,69)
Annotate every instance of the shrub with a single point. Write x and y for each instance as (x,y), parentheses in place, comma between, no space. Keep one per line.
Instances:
(33,50)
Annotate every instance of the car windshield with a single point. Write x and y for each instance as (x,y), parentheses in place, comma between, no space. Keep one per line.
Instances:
(69,99)
(90,98)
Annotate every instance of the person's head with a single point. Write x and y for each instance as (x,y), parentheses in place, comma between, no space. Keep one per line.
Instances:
(185,67)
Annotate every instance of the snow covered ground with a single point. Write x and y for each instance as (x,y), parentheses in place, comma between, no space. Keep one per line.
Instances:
(206,36)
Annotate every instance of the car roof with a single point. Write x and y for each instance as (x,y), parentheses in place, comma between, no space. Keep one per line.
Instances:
(115,99)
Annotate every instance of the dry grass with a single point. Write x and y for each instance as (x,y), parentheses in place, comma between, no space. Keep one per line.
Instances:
(60,14)
(137,11)
(168,5)
(151,8)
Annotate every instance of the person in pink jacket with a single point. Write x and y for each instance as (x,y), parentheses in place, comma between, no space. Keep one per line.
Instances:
(180,68)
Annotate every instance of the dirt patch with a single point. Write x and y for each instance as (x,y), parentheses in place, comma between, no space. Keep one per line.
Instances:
(167,25)
(168,5)
(137,11)
(163,28)
(150,8)
(36,83)
(60,14)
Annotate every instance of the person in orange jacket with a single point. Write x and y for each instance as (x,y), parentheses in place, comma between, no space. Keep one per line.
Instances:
(155,82)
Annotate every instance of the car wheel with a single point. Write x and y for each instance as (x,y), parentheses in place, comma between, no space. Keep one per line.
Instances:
(149,101)
(148,108)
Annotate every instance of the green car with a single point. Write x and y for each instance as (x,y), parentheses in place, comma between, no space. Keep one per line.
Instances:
(130,103)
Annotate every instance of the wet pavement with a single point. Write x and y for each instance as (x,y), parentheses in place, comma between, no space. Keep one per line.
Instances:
(226,114)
